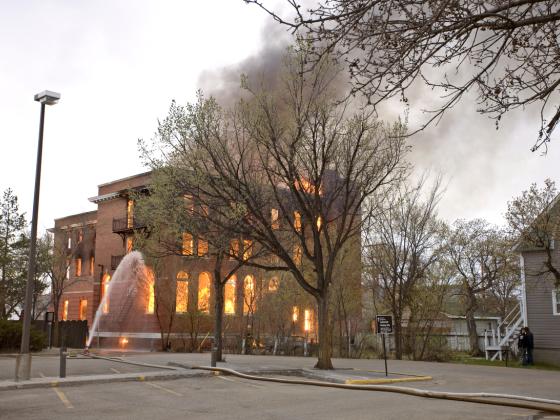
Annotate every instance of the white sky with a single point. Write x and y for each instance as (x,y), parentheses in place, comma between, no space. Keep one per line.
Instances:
(118,64)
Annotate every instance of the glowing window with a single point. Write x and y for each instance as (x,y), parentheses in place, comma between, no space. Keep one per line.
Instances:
(273,284)
(297,221)
(307,320)
(104,290)
(129,244)
(83,309)
(78,266)
(229,295)
(308,187)
(247,249)
(274,222)
(91,265)
(65,310)
(248,294)
(130,214)
(67,269)
(187,244)
(69,240)
(319,223)
(204,292)
(297,254)
(151,298)
(202,247)
(295,314)
(182,292)
(234,249)
(189,203)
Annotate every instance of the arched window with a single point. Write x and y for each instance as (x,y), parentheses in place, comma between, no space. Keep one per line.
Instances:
(204,292)
(273,284)
(182,292)
(308,320)
(229,295)
(150,279)
(104,289)
(248,294)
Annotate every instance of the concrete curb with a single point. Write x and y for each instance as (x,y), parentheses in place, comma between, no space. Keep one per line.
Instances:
(387,381)
(326,376)
(100,379)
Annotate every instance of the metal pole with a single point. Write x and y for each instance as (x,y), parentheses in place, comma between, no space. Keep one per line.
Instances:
(62,366)
(25,362)
(384,354)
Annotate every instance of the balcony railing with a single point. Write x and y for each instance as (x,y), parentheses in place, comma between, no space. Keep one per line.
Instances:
(115,261)
(126,225)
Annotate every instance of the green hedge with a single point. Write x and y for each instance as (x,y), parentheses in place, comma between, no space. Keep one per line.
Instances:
(10,336)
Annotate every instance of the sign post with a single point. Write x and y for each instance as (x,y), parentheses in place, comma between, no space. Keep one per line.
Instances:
(384,326)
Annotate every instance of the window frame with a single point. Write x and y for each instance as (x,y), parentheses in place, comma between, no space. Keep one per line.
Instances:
(555,302)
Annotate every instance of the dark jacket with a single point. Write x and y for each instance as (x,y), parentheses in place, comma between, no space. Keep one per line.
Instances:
(521,341)
(529,340)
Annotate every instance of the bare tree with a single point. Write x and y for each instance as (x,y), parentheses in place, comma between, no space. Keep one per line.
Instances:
(56,254)
(426,305)
(479,253)
(405,242)
(508,51)
(299,172)
(180,223)
(533,218)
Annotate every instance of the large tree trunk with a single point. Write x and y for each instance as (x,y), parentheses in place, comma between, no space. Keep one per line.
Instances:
(471,325)
(218,315)
(325,347)
(398,337)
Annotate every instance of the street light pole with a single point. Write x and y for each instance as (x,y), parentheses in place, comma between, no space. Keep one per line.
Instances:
(23,361)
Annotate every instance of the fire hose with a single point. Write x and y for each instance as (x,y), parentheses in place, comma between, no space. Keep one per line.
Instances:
(490,398)
(520,401)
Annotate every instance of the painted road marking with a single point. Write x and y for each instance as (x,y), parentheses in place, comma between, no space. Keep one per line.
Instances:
(63,398)
(115,370)
(42,375)
(163,388)
(225,378)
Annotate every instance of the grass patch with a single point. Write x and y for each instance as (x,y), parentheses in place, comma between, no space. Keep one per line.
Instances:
(466,359)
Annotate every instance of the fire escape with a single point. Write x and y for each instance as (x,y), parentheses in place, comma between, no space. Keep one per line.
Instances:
(504,338)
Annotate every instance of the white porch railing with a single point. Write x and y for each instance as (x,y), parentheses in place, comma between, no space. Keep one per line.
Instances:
(496,342)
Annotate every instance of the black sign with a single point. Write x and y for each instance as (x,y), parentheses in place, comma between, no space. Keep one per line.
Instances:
(49,316)
(384,324)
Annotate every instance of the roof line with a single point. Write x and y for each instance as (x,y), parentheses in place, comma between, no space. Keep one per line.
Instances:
(124,179)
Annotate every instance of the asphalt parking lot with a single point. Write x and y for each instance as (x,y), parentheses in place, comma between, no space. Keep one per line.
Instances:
(226,397)
(233,398)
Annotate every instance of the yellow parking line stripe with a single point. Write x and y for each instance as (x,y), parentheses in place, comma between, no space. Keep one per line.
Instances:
(63,398)
(163,388)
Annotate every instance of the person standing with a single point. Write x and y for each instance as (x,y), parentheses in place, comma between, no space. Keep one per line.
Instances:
(522,345)
(525,345)
(529,345)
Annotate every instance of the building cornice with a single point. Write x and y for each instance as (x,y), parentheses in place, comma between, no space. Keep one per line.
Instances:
(104,197)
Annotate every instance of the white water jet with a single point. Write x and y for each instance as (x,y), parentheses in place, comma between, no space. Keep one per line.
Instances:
(126,296)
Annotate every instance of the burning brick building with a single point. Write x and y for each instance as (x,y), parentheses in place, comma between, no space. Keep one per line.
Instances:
(94,243)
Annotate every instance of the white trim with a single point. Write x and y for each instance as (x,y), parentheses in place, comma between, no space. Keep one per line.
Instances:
(104,197)
(555,302)
(523,290)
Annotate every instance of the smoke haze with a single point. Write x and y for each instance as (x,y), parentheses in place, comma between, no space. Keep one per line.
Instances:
(483,168)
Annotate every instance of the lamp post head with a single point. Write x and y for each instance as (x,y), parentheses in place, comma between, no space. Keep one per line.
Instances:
(47,97)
